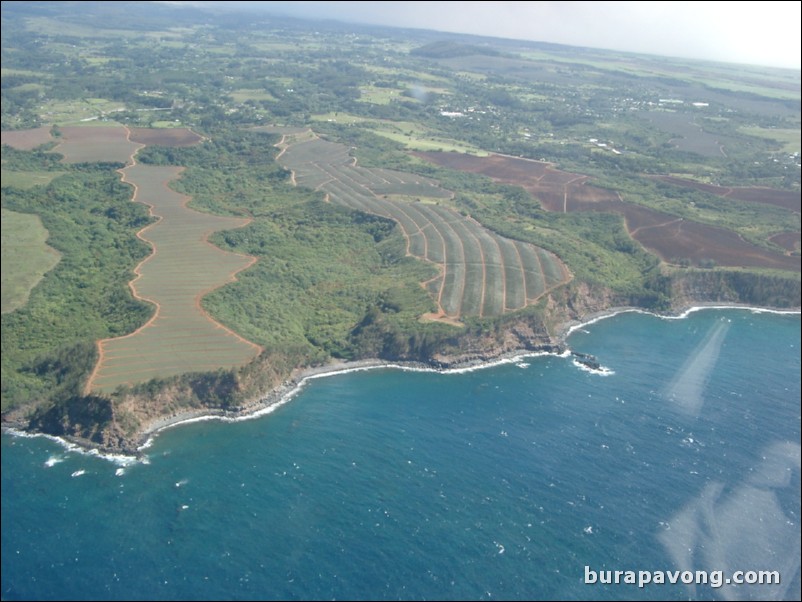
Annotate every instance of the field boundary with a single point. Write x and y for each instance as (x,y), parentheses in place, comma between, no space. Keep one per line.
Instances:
(90,384)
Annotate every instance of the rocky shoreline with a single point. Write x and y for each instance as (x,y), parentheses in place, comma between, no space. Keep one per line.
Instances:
(290,387)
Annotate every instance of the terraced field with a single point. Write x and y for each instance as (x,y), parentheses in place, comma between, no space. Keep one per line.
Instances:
(480,272)
(180,337)
(669,237)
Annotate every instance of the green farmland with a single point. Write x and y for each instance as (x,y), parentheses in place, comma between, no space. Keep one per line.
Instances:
(480,273)
(26,257)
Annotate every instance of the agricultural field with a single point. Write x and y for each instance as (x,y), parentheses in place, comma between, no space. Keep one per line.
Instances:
(786,199)
(27,179)
(788,240)
(174,137)
(787,139)
(26,257)
(687,135)
(26,139)
(183,267)
(673,239)
(90,144)
(480,273)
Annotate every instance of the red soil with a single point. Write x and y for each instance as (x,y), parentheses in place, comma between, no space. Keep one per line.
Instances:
(26,139)
(670,238)
(769,196)
(165,136)
(787,240)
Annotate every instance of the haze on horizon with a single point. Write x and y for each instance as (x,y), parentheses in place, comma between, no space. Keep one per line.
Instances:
(755,33)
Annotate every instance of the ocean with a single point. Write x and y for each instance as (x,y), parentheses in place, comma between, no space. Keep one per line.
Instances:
(525,480)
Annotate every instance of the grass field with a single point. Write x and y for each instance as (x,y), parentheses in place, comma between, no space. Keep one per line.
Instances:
(180,337)
(413,136)
(789,140)
(27,179)
(25,257)
(341,117)
(379,96)
(8,72)
(424,142)
(480,272)
(79,111)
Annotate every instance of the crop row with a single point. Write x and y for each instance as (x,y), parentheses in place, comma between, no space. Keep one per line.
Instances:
(481,273)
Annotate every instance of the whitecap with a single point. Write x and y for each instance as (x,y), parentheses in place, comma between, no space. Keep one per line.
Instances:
(53,460)
(119,459)
(292,393)
(600,371)
(78,473)
(681,316)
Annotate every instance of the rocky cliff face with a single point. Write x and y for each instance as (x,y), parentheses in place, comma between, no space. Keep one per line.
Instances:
(705,286)
(90,420)
(118,424)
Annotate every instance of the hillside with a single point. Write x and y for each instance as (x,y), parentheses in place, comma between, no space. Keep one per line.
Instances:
(311,194)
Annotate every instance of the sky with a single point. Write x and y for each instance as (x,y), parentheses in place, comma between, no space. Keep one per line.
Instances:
(757,33)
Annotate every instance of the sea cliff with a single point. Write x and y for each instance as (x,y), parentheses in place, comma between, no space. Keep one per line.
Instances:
(123,422)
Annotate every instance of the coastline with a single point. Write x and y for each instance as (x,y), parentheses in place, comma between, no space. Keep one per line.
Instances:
(283,394)
(290,388)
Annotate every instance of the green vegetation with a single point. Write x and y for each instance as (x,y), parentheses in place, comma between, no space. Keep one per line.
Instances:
(336,273)
(480,272)
(48,345)
(25,259)
(789,139)
(27,179)
(449,49)
(321,269)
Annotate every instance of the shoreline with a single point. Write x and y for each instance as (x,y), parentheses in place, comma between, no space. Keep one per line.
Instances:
(290,388)
(284,393)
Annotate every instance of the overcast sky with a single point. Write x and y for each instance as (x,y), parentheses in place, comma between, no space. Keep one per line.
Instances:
(759,33)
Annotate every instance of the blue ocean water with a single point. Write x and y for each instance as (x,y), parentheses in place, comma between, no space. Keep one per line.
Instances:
(501,483)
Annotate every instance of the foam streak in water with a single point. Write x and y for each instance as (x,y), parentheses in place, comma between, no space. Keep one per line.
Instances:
(686,389)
